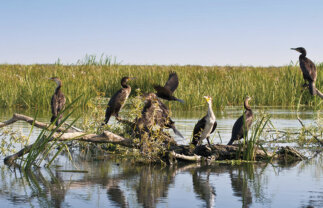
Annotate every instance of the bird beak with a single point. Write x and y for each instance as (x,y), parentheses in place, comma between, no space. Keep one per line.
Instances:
(293,49)
(207,98)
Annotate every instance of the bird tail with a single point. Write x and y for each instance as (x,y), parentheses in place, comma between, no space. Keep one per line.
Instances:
(231,141)
(177,132)
(194,141)
(52,119)
(179,100)
(58,121)
(107,116)
(312,88)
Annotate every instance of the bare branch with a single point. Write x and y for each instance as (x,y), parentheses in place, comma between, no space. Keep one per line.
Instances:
(105,137)
(19,117)
(320,94)
(186,157)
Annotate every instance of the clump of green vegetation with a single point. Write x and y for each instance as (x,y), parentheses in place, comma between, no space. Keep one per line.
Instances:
(8,140)
(27,86)
(152,146)
(251,143)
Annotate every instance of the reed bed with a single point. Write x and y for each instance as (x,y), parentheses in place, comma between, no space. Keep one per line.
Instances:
(27,86)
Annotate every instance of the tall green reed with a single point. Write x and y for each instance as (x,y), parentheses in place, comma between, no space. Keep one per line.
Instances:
(26,86)
(250,144)
(45,141)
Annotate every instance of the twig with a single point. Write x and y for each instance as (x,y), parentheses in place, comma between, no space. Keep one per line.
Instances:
(280,131)
(314,136)
(73,127)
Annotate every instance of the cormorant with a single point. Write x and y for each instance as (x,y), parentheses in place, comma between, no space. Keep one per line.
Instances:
(308,68)
(154,113)
(57,102)
(118,100)
(205,126)
(243,124)
(167,91)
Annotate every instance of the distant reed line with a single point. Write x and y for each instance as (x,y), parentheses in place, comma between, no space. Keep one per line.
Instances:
(27,86)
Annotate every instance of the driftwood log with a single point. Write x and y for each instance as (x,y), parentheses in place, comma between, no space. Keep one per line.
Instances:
(175,151)
(319,93)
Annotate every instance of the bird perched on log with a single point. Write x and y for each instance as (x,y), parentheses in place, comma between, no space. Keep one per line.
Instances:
(309,70)
(167,91)
(154,113)
(118,100)
(57,102)
(205,126)
(243,124)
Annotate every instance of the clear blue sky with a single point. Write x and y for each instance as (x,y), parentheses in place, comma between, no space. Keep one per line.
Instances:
(213,32)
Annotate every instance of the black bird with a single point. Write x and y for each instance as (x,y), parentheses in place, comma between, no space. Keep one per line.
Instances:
(308,68)
(205,126)
(57,102)
(154,113)
(243,124)
(118,100)
(167,91)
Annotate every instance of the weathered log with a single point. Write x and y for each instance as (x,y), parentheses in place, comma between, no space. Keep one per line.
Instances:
(105,137)
(182,152)
(289,154)
(186,157)
(319,93)
(19,117)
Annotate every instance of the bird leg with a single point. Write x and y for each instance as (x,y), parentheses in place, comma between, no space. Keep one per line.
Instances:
(117,117)
(305,85)
(208,141)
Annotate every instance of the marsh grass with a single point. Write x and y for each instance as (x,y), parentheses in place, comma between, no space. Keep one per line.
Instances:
(27,86)
(251,143)
(45,143)
(251,139)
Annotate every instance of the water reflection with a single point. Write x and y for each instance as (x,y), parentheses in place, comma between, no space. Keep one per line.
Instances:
(123,184)
(112,182)
(202,186)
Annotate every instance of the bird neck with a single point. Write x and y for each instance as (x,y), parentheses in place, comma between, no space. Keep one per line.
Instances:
(125,85)
(246,105)
(303,54)
(210,110)
(59,85)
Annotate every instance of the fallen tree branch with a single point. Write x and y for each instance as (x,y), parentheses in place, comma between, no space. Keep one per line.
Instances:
(19,117)
(186,157)
(182,152)
(320,94)
(281,131)
(105,137)
(73,127)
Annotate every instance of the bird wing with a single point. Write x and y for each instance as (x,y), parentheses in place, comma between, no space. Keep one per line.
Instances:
(53,104)
(117,100)
(308,69)
(237,130)
(162,91)
(172,82)
(60,102)
(199,126)
(214,127)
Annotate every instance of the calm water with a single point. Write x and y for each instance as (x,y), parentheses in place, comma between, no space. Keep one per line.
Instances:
(111,182)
